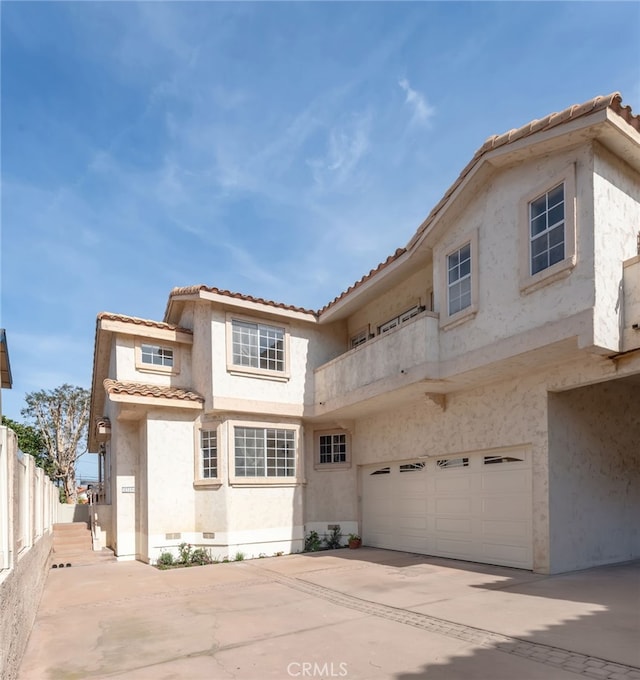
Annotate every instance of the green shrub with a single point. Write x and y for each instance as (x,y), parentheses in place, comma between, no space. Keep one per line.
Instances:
(313,542)
(184,553)
(239,556)
(200,556)
(165,560)
(334,539)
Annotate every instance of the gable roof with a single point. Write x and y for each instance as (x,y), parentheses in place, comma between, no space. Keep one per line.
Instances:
(612,101)
(552,121)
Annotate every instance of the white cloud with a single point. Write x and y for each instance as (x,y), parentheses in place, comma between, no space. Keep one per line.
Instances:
(422,111)
(347,144)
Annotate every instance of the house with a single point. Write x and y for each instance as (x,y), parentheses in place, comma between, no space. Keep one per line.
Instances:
(473,397)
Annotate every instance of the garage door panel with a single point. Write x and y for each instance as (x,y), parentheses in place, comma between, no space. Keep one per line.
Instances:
(449,547)
(452,483)
(454,525)
(512,506)
(496,553)
(476,511)
(457,505)
(501,481)
(508,529)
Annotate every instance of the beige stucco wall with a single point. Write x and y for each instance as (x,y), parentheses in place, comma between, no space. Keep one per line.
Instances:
(20,593)
(170,470)
(594,471)
(125,442)
(616,190)
(508,413)
(309,346)
(415,290)
(495,213)
(124,364)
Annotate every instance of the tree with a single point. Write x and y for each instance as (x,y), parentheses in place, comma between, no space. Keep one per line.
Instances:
(30,441)
(61,416)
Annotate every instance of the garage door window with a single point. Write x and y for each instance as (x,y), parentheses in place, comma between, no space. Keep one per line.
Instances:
(382,471)
(412,467)
(491,460)
(453,463)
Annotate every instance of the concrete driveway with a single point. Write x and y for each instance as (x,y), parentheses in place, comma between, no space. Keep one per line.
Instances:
(364,613)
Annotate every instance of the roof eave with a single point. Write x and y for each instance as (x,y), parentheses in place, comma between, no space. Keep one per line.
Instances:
(6,380)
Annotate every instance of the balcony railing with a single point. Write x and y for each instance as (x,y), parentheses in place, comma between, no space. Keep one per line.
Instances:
(393,359)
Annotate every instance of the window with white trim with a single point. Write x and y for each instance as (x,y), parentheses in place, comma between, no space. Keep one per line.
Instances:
(264,452)
(359,338)
(208,454)
(400,319)
(459,279)
(257,345)
(546,229)
(155,355)
(333,448)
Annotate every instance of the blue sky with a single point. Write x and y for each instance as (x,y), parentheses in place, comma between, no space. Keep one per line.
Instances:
(276,149)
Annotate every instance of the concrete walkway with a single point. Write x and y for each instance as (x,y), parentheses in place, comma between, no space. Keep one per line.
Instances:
(353,614)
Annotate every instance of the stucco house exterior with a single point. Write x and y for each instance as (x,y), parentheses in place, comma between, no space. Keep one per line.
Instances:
(474,397)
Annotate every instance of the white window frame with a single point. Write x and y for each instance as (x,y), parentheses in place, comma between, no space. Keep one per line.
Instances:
(448,320)
(264,480)
(359,338)
(331,465)
(456,269)
(400,319)
(256,371)
(147,367)
(199,477)
(530,282)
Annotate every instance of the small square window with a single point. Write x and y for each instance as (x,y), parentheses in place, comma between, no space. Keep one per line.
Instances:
(332,450)
(156,355)
(359,338)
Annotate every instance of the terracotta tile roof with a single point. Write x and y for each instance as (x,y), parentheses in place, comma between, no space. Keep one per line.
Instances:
(612,101)
(193,290)
(142,322)
(143,390)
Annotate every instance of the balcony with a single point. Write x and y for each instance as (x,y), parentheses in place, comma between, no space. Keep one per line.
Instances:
(390,363)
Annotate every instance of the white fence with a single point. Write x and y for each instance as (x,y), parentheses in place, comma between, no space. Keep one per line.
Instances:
(28,502)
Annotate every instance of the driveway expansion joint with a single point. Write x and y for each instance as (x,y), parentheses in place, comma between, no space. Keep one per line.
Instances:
(581,664)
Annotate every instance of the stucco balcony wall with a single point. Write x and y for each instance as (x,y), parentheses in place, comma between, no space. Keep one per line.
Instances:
(397,352)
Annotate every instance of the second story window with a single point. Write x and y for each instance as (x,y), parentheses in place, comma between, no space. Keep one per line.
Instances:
(154,355)
(546,229)
(459,279)
(400,319)
(359,338)
(257,345)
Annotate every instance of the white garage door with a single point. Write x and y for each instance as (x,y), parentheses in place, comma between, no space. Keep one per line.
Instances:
(473,506)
